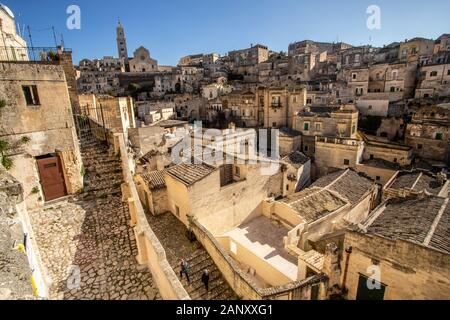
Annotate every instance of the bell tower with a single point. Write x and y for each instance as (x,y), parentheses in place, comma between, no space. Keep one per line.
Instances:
(122,44)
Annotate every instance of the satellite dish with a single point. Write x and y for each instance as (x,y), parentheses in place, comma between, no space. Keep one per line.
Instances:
(7,10)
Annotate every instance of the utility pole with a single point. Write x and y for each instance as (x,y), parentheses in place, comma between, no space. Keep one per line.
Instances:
(54,36)
(31,42)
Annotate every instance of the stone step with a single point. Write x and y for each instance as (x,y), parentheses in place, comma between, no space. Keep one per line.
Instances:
(216,286)
(104,170)
(200,261)
(99,160)
(226,294)
(98,178)
(100,189)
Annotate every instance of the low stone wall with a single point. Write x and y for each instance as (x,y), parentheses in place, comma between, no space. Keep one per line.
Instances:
(151,252)
(244,286)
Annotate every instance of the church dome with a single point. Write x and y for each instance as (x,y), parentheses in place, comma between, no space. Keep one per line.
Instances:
(7,10)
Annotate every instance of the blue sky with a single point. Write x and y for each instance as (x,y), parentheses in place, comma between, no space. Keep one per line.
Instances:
(173,28)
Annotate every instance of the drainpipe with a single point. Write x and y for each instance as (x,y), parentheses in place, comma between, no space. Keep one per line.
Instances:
(348,252)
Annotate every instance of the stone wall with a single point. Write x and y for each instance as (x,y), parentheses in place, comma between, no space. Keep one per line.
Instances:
(151,252)
(408,270)
(220,209)
(388,152)
(243,285)
(330,156)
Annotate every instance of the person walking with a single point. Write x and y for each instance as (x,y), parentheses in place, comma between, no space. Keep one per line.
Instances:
(184,268)
(205,279)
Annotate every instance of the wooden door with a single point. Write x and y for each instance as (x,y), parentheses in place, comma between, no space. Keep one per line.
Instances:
(52,178)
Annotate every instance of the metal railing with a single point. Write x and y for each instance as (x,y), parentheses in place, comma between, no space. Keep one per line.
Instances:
(32,54)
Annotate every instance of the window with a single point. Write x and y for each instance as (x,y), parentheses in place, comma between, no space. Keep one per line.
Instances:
(439,136)
(318,126)
(306,148)
(306,126)
(238,171)
(395,160)
(392,89)
(354,75)
(357,58)
(433,74)
(372,157)
(177,211)
(378,178)
(419,146)
(364,293)
(370,107)
(276,101)
(31,95)
(274,124)
(394,74)
(448,72)
(294,99)
(287,187)
(308,101)
(346,162)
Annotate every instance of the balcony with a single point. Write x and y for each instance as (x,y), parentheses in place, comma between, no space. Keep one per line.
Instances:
(276,105)
(31,54)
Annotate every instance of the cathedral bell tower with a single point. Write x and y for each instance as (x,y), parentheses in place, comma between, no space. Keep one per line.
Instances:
(122,45)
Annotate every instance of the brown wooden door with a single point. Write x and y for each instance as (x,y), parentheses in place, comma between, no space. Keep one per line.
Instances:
(52,178)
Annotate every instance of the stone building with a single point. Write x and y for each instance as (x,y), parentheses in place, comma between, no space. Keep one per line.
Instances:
(100,76)
(215,90)
(275,241)
(434,81)
(333,121)
(429,133)
(356,57)
(116,114)
(296,172)
(441,52)
(14,47)
(242,108)
(142,62)
(220,197)
(401,252)
(37,123)
(281,105)
(153,191)
(379,148)
(122,45)
(250,56)
(417,50)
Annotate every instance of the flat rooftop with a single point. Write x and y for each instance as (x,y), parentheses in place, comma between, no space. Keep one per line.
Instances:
(264,238)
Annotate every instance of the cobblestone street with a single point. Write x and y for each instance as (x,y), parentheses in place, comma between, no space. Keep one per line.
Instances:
(86,242)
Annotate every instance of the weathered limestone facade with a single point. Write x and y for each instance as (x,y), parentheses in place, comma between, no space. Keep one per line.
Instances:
(408,261)
(142,61)
(281,105)
(39,127)
(429,133)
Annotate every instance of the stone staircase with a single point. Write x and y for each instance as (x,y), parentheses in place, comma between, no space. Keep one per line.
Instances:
(218,287)
(103,173)
(91,232)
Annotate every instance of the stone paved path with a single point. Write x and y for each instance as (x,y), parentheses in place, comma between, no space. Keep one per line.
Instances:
(86,242)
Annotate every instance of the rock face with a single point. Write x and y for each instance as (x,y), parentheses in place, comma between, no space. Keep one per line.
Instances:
(15,273)
(86,242)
